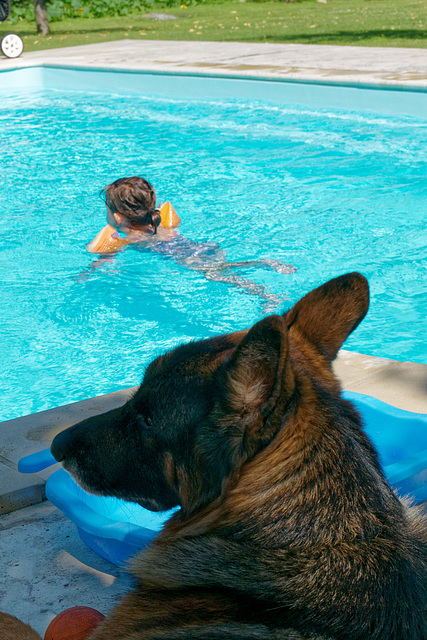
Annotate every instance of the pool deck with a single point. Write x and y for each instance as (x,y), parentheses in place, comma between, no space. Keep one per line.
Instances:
(45,566)
(401,67)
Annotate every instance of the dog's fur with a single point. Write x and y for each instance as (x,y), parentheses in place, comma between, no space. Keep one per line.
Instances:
(13,629)
(287,529)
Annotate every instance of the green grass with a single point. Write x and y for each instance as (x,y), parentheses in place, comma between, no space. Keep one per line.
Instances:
(389,23)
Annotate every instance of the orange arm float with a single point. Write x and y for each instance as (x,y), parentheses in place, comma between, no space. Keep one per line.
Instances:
(108,240)
(170,218)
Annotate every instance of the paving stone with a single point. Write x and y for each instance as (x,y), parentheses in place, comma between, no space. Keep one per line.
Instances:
(401,384)
(18,490)
(350,367)
(46,568)
(322,63)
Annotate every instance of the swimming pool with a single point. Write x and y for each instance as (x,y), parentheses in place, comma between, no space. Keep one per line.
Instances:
(297,175)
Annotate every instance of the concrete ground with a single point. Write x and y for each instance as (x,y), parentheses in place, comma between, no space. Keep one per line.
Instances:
(45,566)
(321,63)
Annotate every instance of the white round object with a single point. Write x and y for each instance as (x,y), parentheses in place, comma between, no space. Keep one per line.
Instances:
(11,45)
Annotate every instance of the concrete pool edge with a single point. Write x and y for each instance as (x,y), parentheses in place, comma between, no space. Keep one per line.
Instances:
(221,76)
(400,384)
(330,64)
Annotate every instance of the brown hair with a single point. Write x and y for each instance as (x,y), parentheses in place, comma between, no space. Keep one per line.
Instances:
(135,199)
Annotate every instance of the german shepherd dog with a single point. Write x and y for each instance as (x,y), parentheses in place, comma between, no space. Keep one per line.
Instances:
(288,529)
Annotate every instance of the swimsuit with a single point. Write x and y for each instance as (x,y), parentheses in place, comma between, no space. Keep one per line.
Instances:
(181,248)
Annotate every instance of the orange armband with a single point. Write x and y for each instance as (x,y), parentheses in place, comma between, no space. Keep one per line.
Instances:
(170,218)
(107,241)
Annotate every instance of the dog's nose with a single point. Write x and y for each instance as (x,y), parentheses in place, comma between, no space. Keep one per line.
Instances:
(60,444)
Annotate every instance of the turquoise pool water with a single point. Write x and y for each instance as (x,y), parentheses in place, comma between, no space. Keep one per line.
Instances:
(328,189)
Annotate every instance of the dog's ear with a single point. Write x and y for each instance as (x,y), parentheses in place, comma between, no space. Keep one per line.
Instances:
(258,382)
(327,315)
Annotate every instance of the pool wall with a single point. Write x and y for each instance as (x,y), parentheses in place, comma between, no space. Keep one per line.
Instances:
(410,102)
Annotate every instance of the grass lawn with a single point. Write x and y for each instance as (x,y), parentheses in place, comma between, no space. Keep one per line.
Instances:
(389,23)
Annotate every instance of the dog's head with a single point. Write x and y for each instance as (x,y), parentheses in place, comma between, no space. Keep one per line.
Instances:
(206,408)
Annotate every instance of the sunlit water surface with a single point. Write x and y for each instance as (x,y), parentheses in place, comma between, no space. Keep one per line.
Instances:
(327,191)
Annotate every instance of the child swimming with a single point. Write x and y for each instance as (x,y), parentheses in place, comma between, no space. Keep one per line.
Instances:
(131,210)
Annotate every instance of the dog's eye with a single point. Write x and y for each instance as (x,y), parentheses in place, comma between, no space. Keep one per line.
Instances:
(145,422)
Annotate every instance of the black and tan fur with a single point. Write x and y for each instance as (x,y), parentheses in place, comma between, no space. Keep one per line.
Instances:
(13,629)
(288,529)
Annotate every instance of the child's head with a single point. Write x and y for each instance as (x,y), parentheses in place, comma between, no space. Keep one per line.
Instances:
(131,203)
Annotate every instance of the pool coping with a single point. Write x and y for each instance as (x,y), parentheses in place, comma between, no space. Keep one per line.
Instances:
(324,64)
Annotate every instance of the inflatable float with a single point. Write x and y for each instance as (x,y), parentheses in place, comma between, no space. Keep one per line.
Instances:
(108,239)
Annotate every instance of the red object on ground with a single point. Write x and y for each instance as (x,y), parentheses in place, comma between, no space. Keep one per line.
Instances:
(75,623)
